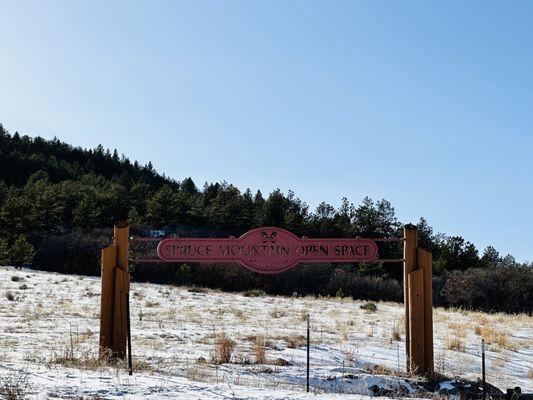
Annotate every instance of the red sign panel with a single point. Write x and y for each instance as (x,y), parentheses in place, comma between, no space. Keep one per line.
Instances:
(267,250)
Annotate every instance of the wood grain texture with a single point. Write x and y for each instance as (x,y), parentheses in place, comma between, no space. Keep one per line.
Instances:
(425,261)
(416,320)
(109,257)
(409,265)
(122,241)
(120,327)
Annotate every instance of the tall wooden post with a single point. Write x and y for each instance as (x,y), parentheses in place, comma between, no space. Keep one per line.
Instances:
(418,300)
(415,284)
(115,288)
(410,254)
(425,263)
(109,263)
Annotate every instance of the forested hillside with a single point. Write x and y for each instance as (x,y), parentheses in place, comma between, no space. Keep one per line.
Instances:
(59,202)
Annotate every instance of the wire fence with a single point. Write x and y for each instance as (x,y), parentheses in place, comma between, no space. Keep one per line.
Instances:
(185,346)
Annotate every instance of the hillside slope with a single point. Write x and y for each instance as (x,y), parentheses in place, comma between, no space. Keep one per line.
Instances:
(50,331)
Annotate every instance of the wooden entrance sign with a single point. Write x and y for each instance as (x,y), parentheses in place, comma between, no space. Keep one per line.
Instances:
(267,250)
(271,250)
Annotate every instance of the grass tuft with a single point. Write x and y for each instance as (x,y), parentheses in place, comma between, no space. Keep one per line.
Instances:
(493,336)
(224,350)
(395,334)
(455,344)
(259,350)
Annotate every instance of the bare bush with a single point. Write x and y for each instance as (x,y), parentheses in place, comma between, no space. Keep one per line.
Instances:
(224,350)
(490,289)
(259,350)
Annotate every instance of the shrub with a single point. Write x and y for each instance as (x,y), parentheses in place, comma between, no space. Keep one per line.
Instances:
(183,275)
(508,289)
(364,287)
(10,296)
(254,293)
(196,289)
(72,253)
(16,278)
(225,347)
(5,255)
(22,251)
(369,307)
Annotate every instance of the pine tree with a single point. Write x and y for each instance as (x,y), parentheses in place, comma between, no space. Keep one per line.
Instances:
(4,252)
(22,251)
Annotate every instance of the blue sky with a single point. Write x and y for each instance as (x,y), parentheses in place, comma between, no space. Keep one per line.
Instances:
(427,104)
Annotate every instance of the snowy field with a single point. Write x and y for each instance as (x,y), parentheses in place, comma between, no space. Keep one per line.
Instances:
(49,344)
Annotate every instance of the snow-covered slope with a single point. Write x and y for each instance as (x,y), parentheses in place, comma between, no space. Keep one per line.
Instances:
(49,343)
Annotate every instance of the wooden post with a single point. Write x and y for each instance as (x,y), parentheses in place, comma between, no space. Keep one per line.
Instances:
(416,320)
(109,262)
(122,241)
(120,325)
(425,263)
(115,288)
(410,245)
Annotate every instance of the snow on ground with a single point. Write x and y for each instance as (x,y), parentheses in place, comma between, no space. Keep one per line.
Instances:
(50,326)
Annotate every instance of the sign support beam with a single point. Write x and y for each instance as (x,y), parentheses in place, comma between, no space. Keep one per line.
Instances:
(115,289)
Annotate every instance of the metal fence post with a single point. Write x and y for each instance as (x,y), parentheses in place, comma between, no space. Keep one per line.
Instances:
(130,364)
(308,341)
(483,369)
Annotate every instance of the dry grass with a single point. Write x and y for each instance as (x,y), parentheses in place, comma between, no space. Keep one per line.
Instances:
(295,341)
(276,313)
(198,373)
(224,350)
(259,350)
(455,344)
(459,328)
(494,336)
(89,361)
(331,319)
(395,334)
